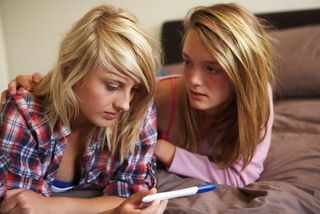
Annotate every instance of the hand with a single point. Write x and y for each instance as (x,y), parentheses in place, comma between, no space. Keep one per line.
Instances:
(23,201)
(134,205)
(164,152)
(25,81)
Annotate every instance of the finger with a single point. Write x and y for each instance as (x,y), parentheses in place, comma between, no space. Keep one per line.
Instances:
(4,97)
(12,192)
(15,210)
(162,207)
(153,190)
(12,87)
(24,81)
(136,198)
(157,207)
(8,203)
(36,77)
(152,207)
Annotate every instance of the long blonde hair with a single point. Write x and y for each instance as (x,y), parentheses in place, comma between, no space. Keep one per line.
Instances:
(113,40)
(239,42)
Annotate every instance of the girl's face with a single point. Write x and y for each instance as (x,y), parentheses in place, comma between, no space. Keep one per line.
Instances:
(207,85)
(103,96)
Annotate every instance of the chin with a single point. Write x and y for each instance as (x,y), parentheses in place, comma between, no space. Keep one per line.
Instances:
(201,106)
(196,106)
(103,123)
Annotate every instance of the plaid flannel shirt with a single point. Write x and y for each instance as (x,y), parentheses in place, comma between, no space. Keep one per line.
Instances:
(31,152)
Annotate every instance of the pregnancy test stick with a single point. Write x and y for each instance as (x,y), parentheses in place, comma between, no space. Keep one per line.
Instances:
(179,193)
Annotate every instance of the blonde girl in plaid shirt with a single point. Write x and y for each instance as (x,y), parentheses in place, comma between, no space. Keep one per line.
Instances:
(90,121)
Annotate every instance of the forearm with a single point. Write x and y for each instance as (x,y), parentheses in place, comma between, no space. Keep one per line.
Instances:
(80,205)
(199,166)
(164,152)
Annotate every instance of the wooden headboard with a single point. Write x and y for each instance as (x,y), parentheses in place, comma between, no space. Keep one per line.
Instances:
(172,31)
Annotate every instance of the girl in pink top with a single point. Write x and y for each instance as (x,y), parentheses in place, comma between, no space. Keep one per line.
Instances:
(215,120)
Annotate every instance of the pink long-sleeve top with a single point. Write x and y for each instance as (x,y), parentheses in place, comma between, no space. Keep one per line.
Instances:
(198,165)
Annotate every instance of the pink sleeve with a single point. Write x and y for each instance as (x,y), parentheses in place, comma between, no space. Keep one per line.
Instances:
(199,166)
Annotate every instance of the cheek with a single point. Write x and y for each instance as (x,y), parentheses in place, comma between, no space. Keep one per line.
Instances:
(90,95)
(227,89)
(186,79)
(221,86)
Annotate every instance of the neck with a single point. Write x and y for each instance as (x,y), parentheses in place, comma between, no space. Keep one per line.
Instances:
(81,125)
(209,119)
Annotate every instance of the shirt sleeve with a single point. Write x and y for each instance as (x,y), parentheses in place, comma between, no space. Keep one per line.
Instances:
(138,171)
(199,166)
(20,166)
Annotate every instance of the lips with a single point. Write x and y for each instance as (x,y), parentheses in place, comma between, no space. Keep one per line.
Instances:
(195,93)
(110,115)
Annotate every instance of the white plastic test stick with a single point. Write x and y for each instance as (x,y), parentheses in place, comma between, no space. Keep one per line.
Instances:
(178,193)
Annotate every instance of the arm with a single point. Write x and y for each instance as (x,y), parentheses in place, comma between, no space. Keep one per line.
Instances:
(19,154)
(189,164)
(199,166)
(137,171)
(21,201)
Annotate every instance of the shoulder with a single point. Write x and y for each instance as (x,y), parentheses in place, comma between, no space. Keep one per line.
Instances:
(164,98)
(164,88)
(22,121)
(24,108)
(148,129)
(28,103)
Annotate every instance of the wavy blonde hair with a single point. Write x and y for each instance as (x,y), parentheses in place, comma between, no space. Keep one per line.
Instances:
(239,42)
(113,40)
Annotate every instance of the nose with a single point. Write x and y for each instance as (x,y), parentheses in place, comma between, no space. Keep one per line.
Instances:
(123,101)
(194,76)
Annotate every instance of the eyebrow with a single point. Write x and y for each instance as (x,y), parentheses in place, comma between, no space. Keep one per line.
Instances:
(114,78)
(206,62)
(185,55)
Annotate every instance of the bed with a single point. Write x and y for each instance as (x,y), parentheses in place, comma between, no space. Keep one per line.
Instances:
(290,182)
